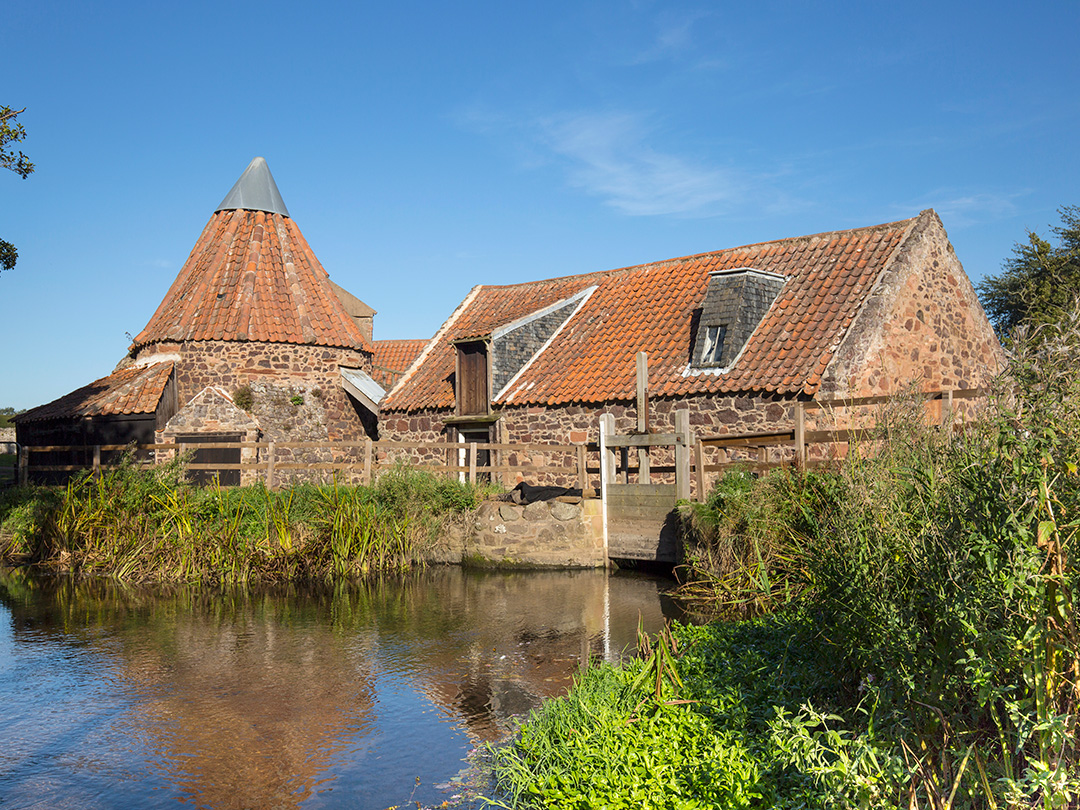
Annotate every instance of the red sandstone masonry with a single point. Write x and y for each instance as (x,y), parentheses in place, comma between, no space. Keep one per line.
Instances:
(276,372)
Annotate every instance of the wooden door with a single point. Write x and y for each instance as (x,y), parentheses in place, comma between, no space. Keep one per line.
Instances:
(215,455)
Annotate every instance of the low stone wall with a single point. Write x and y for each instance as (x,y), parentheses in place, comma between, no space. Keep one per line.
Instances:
(566,533)
(7,440)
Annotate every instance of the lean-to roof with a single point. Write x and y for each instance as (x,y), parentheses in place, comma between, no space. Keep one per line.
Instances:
(127,391)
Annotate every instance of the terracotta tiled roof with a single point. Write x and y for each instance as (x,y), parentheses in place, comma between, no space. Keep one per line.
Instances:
(131,390)
(651,308)
(392,358)
(252,276)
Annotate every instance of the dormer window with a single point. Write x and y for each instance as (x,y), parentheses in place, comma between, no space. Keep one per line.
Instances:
(736,301)
(473,376)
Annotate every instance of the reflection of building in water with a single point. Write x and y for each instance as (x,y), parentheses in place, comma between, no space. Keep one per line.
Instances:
(528,640)
(251,713)
(244,701)
(261,699)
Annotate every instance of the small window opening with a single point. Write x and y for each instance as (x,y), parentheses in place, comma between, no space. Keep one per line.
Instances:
(713,348)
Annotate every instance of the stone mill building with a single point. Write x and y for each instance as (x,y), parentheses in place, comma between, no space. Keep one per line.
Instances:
(252,341)
(736,337)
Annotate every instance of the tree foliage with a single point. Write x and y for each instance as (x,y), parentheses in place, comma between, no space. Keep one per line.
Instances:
(1039,282)
(12,132)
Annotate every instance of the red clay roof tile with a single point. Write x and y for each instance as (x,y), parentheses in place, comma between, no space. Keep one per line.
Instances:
(650,308)
(130,390)
(252,276)
(392,358)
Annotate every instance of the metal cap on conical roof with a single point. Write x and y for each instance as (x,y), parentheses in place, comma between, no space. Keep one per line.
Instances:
(255,191)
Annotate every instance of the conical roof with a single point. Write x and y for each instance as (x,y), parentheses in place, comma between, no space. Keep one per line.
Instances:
(252,277)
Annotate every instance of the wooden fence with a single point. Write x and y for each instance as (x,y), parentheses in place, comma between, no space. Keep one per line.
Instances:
(579,464)
(368,458)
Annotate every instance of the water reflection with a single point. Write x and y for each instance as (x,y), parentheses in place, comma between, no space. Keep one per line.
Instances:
(285,697)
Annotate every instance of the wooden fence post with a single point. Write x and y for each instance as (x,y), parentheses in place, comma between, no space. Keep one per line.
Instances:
(607,456)
(24,465)
(699,466)
(270,466)
(97,459)
(607,472)
(582,470)
(452,457)
(683,440)
(800,435)
(472,462)
(643,414)
(368,452)
(946,408)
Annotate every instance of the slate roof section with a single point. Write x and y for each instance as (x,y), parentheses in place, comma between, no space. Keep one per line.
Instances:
(655,307)
(252,277)
(392,358)
(130,390)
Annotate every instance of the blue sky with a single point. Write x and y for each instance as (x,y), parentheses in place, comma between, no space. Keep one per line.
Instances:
(425,147)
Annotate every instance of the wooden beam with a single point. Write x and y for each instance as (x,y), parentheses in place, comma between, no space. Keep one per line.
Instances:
(699,470)
(750,439)
(643,414)
(270,466)
(647,440)
(800,435)
(682,454)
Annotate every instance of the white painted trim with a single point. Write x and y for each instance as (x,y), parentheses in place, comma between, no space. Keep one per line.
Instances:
(153,359)
(731,271)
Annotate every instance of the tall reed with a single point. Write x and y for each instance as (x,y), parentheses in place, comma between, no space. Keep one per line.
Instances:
(150,525)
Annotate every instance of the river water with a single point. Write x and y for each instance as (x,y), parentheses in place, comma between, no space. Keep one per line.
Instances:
(353,696)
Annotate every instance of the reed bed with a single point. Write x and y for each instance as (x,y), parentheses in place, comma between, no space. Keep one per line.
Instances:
(140,525)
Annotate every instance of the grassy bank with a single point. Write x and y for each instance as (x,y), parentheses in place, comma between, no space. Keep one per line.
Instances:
(916,641)
(141,524)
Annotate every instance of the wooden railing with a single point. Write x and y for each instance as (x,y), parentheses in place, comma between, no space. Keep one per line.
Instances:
(271,461)
(367,458)
(798,439)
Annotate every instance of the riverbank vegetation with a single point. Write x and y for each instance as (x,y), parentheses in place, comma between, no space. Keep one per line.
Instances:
(149,524)
(904,630)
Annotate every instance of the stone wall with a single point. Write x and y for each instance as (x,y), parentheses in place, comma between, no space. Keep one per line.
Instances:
(580,424)
(566,533)
(295,391)
(922,327)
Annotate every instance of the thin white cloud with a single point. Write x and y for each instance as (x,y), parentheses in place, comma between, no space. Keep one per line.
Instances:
(961,209)
(608,155)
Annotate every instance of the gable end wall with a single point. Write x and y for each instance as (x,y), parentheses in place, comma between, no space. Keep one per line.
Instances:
(922,326)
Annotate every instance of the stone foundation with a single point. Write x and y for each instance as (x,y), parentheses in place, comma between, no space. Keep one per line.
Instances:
(565,533)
